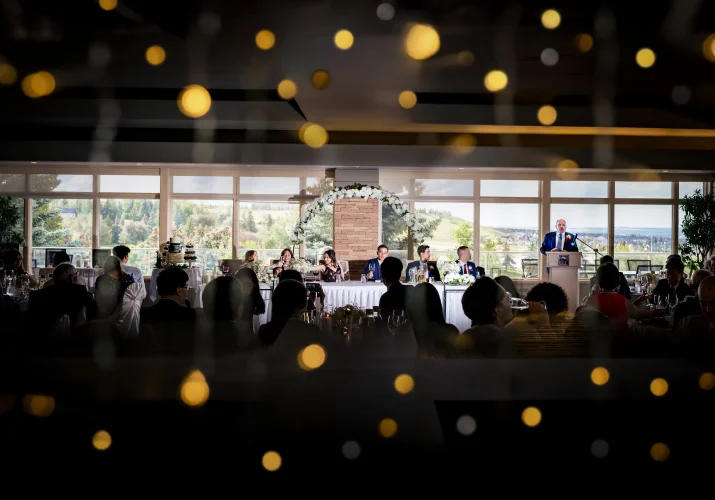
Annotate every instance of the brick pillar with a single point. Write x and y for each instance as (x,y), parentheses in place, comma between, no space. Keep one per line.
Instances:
(355,228)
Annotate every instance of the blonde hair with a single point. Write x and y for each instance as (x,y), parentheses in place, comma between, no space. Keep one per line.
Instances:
(249,254)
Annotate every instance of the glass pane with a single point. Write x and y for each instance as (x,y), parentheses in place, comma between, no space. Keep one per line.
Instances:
(319,186)
(689,188)
(208,185)
(514,189)
(579,189)
(266,227)
(129,183)
(642,232)
(58,183)
(62,223)
(398,186)
(508,234)
(270,185)
(590,224)
(643,190)
(446,227)
(208,224)
(681,236)
(12,182)
(444,187)
(394,234)
(133,223)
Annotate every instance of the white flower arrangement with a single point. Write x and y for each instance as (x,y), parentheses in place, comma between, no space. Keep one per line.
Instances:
(358,191)
(447,266)
(263,274)
(458,279)
(301,265)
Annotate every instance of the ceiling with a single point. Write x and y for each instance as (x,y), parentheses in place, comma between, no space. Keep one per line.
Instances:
(111,105)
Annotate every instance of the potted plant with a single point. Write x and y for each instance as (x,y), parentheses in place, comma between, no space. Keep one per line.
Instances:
(698,229)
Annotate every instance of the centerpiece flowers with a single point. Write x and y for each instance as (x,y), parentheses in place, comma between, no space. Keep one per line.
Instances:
(301,265)
(450,272)
(262,272)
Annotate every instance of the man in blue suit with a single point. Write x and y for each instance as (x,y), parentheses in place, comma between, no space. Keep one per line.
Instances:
(465,266)
(560,240)
(372,268)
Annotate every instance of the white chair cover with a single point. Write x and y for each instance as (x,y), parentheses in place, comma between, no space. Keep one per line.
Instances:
(127,318)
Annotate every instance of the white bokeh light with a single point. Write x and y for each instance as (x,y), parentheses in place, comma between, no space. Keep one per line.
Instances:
(385,11)
(351,450)
(549,57)
(466,425)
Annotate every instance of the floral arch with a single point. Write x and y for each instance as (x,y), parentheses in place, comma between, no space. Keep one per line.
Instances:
(358,191)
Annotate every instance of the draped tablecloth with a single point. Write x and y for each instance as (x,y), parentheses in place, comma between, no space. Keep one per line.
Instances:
(194,282)
(90,274)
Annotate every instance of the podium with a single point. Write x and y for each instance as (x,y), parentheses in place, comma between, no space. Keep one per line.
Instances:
(563,271)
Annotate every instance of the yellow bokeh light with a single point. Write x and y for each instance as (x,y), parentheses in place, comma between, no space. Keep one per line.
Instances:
(547,115)
(320,79)
(551,19)
(707,381)
(600,375)
(531,416)
(108,4)
(659,387)
(8,74)
(312,357)
(101,440)
(709,48)
(194,389)
(265,39)
(38,405)
(344,39)
(422,42)
(496,80)
(387,427)
(407,99)
(155,55)
(659,452)
(645,58)
(463,144)
(315,136)
(567,170)
(194,101)
(287,89)
(584,42)
(404,384)
(39,84)
(271,461)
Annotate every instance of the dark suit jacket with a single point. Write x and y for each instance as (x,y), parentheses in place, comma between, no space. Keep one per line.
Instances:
(394,299)
(689,307)
(431,267)
(49,304)
(168,328)
(663,288)
(550,241)
(474,269)
(377,272)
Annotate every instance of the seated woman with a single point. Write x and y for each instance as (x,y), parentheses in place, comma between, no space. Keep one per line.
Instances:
(12,261)
(331,270)
(286,257)
(253,303)
(613,305)
(250,256)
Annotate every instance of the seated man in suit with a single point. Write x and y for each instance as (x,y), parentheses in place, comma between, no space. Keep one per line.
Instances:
(169,324)
(559,240)
(673,285)
(372,268)
(467,267)
(395,298)
(424,252)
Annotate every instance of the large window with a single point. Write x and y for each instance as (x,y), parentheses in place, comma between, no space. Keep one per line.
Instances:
(270,185)
(187,184)
(129,183)
(446,226)
(509,239)
(643,190)
(133,223)
(642,233)
(590,224)
(60,183)
(12,183)
(266,227)
(689,188)
(510,189)
(62,223)
(579,189)
(208,225)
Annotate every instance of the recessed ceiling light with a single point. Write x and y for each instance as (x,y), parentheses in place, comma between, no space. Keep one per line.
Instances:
(461,168)
(665,171)
(33,162)
(139,164)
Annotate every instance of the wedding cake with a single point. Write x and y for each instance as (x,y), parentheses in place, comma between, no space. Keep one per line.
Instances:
(174,256)
(190,253)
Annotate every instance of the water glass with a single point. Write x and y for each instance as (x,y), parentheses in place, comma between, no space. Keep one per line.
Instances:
(363,278)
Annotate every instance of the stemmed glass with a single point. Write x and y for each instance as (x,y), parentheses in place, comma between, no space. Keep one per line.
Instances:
(396,320)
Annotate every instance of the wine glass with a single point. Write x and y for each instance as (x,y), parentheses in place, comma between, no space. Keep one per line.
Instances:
(519,304)
(395,321)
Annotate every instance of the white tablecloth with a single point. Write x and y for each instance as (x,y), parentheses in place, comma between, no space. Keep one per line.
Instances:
(90,274)
(194,282)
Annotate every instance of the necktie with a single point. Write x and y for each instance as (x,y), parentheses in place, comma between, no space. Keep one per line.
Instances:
(560,237)
(465,269)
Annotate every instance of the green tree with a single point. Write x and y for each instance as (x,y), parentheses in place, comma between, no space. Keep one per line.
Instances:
(269,221)
(47,225)
(698,228)
(11,230)
(464,234)
(250,222)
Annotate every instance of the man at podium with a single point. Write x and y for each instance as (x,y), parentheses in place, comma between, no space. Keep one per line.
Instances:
(559,240)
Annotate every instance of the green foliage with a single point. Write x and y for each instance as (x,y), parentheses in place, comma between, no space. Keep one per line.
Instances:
(11,230)
(464,234)
(698,228)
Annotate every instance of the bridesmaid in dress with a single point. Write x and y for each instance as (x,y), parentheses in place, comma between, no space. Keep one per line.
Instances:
(331,269)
